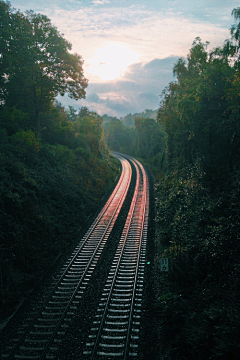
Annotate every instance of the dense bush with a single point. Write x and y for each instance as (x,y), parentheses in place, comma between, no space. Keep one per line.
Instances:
(47,192)
(199,233)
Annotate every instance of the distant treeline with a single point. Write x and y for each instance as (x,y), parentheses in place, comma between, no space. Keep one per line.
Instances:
(129,119)
(54,164)
(139,135)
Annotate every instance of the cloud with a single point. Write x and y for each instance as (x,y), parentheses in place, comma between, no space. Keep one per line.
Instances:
(93,97)
(158,31)
(152,29)
(150,97)
(149,33)
(100,2)
(138,89)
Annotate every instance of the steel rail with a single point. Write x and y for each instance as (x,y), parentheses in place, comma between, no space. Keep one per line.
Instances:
(106,219)
(137,219)
(123,242)
(143,238)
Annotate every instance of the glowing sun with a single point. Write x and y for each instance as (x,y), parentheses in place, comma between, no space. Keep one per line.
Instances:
(111,62)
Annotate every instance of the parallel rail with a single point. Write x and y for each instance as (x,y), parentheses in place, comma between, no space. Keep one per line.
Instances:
(115,330)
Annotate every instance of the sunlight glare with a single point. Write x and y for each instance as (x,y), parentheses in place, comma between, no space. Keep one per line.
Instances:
(112,61)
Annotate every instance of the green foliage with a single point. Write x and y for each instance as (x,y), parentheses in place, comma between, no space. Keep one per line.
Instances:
(199,233)
(129,119)
(88,131)
(36,64)
(44,202)
(120,137)
(14,120)
(195,113)
(151,139)
(49,185)
(25,142)
(146,140)
(197,206)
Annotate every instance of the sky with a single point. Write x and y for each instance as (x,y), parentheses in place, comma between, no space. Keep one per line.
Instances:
(129,47)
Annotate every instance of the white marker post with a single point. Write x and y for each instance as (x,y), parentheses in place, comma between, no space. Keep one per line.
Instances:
(164,264)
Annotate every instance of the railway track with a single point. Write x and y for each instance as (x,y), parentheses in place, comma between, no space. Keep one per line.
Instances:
(114,331)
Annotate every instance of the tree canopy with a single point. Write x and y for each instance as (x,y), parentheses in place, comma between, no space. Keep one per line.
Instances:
(197,206)
(36,63)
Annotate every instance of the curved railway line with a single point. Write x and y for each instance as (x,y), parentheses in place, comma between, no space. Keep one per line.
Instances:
(114,330)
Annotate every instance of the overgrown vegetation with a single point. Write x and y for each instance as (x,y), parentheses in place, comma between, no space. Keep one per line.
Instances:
(197,206)
(54,163)
(139,135)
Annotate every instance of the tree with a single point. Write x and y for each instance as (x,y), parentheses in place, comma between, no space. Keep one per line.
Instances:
(195,109)
(38,65)
(88,130)
(150,137)
(120,137)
